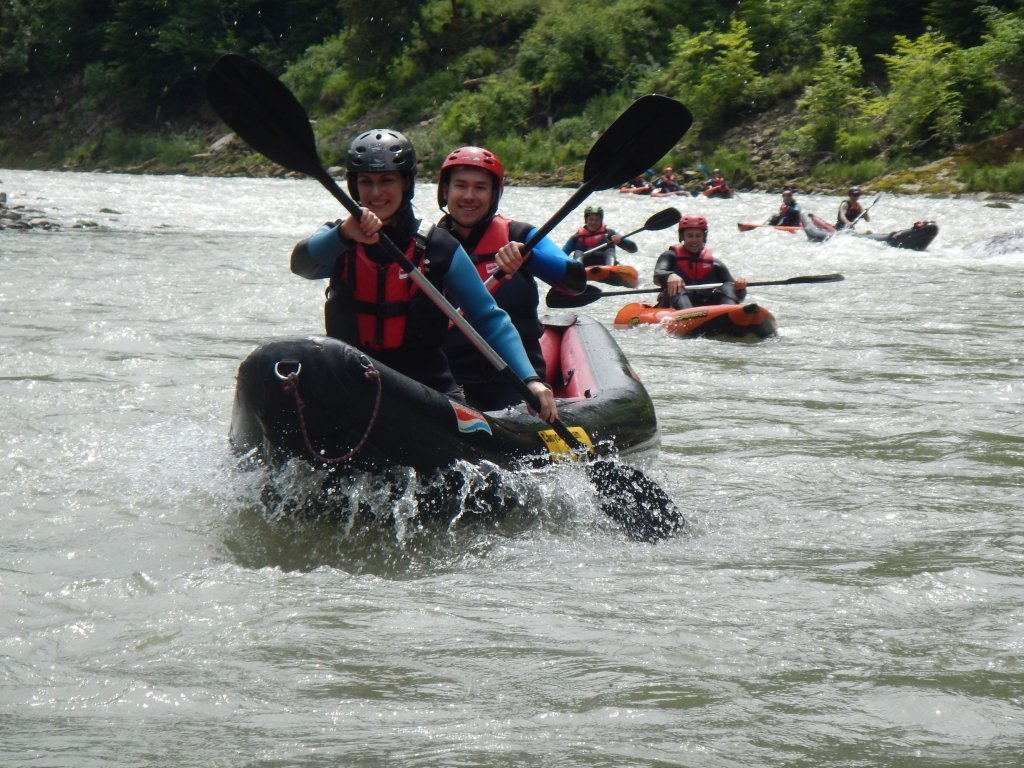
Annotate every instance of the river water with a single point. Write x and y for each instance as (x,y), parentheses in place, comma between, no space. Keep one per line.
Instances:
(850,591)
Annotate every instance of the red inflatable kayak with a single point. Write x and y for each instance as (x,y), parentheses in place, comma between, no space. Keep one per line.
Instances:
(619,274)
(737,322)
(747,227)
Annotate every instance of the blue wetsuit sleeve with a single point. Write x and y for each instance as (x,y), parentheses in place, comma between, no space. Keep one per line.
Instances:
(314,258)
(570,245)
(555,268)
(463,282)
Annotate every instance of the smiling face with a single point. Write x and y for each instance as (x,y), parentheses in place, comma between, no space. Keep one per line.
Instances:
(593,221)
(382,193)
(470,194)
(693,239)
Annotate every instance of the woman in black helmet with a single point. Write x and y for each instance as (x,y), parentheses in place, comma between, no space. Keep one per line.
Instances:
(374,305)
(594,233)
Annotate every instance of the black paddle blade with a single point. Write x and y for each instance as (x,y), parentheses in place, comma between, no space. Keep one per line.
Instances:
(639,505)
(556,299)
(263,112)
(643,134)
(834,277)
(663,220)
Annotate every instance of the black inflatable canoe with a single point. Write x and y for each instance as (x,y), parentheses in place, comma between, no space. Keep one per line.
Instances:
(915,238)
(325,401)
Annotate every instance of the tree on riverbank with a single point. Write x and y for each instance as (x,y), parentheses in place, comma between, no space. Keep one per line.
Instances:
(874,84)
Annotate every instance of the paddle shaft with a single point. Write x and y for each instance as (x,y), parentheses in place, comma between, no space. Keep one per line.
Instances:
(686,289)
(750,284)
(592,294)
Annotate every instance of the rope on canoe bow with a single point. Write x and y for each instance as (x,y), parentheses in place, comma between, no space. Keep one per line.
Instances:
(290,383)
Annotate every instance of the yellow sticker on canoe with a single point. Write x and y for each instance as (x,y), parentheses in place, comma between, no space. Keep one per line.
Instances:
(557,447)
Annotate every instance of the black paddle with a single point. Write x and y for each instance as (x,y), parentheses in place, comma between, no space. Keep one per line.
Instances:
(661,220)
(592,293)
(638,139)
(264,113)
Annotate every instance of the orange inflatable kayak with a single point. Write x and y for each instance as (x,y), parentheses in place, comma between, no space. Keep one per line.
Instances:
(739,322)
(619,274)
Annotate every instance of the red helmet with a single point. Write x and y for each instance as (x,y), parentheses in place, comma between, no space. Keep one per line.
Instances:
(472,157)
(693,221)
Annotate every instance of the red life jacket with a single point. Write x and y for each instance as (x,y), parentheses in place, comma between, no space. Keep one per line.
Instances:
(384,296)
(586,239)
(495,237)
(853,211)
(692,268)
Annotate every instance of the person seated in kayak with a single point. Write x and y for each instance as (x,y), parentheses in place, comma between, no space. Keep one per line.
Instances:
(667,181)
(594,234)
(470,185)
(716,182)
(374,305)
(850,209)
(691,264)
(639,185)
(789,211)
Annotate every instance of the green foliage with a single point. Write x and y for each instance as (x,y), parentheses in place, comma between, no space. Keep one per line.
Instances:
(571,56)
(923,105)
(380,31)
(990,105)
(964,21)
(780,30)
(843,174)
(537,80)
(832,106)
(713,73)
(1008,177)
(501,105)
(871,27)
(317,79)
(45,37)
(119,149)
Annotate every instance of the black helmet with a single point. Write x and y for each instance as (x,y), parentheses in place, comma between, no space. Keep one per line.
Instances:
(855,191)
(377,151)
(593,209)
